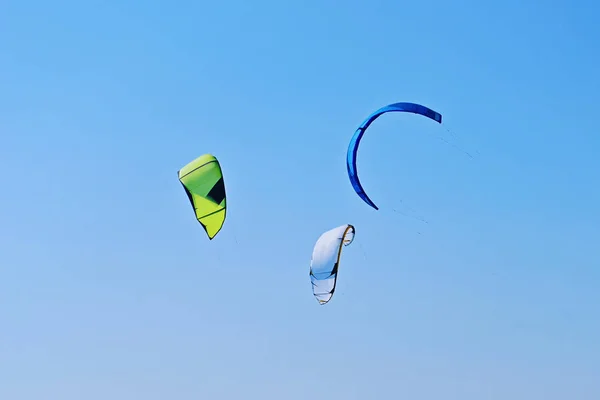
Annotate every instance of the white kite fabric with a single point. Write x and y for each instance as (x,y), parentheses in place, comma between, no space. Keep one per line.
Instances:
(326,259)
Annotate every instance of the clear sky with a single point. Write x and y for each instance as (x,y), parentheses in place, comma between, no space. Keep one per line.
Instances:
(110,289)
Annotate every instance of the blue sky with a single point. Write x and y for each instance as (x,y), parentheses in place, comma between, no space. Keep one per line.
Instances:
(110,288)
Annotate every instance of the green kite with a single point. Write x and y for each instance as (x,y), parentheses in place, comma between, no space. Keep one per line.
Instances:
(202,180)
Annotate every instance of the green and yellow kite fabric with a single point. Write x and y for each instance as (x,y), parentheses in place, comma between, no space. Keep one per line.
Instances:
(202,180)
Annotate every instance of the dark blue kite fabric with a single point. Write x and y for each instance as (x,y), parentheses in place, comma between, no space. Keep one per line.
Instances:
(355,141)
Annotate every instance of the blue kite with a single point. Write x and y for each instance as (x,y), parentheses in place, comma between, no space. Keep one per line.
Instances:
(355,141)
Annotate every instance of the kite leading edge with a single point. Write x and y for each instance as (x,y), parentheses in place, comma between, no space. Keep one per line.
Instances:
(358,134)
(202,180)
(326,260)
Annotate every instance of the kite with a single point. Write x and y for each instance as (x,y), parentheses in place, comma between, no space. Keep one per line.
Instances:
(326,260)
(355,141)
(202,180)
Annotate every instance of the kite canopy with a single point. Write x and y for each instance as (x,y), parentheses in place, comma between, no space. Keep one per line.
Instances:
(326,259)
(355,141)
(202,180)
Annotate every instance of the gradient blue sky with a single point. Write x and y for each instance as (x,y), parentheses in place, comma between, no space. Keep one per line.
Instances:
(109,288)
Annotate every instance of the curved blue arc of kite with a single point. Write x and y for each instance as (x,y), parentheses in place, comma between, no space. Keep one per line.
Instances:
(358,134)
